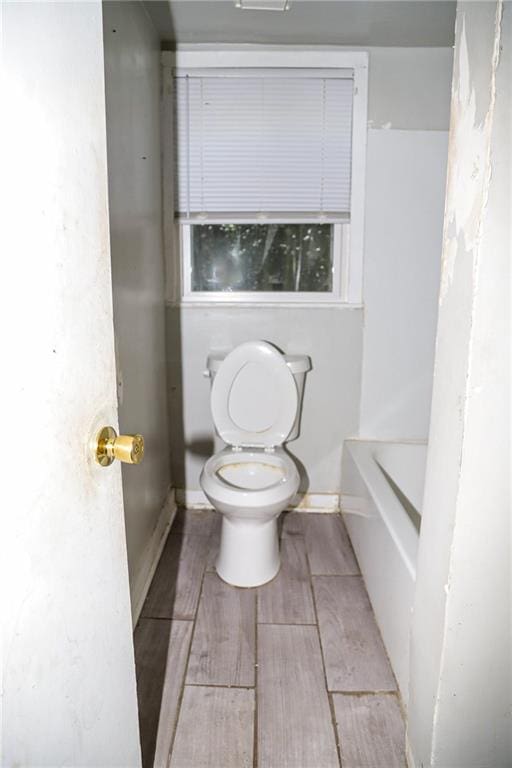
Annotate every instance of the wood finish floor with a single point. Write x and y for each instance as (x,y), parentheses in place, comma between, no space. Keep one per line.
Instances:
(289,675)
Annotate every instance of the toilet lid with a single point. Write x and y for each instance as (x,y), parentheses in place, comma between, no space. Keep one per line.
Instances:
(254,397)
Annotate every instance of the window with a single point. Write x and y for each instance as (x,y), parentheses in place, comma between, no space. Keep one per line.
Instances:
(262,257)
(264,177)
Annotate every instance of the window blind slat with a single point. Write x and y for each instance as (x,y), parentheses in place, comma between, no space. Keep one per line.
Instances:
(264,144)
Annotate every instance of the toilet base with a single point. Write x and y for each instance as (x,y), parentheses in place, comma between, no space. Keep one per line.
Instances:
(249,552)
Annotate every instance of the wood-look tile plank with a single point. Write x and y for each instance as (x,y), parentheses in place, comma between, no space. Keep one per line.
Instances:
(371,731)
(328,545)
(354,654)
(214,543)
(174,591)
(177,655)
(288,599)
(291,524)
(198,522)
(215,729)
(151,641)
(294,720)
(224,640)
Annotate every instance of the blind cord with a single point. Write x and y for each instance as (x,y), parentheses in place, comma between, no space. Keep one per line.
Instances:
(187,108)
(202,142)
(322,147)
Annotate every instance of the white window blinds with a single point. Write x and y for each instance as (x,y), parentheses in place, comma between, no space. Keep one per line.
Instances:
(263,142)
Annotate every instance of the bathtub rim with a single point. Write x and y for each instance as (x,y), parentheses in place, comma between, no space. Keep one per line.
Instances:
(404,534)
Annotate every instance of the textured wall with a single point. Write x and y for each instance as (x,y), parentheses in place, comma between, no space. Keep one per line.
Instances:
(330,336)
(461,667)
(132,74)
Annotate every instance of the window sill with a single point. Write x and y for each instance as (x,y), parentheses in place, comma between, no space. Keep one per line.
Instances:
(204,303)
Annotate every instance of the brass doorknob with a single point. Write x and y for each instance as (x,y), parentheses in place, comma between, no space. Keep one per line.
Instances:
(109,446)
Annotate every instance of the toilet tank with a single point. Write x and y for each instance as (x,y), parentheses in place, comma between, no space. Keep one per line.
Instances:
(299,365)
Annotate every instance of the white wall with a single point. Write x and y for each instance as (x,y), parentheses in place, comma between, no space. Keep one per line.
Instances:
(405,184)
(132,73)
(332,338)
(409,88)
(461,678)
(404,213)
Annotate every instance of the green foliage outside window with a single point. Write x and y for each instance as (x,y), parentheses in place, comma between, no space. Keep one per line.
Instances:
(262,257)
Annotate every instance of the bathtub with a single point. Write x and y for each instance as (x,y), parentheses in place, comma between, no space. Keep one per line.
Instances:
(382,492)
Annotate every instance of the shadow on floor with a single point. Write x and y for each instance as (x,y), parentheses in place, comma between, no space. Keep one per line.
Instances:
(151,644)
(171,604)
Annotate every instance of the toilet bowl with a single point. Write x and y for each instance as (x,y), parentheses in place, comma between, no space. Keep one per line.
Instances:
(255,403)
(250,488)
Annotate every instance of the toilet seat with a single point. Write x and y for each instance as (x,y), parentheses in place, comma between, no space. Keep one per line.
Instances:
(254,397)
(222,491)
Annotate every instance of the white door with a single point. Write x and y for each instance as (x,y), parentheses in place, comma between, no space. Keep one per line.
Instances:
(69,694)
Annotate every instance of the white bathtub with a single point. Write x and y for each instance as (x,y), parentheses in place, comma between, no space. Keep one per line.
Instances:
(382,492)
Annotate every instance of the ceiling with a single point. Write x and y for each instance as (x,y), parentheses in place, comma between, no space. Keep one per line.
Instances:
(308,22)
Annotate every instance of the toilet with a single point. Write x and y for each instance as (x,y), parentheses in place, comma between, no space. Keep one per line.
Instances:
(256,399)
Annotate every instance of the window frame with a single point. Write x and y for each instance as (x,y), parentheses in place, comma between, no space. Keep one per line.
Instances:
(347,244)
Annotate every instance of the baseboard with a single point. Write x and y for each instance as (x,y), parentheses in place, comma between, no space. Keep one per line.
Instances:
(354,505)
(316,502)
(152,554)
(303,502)
(192,499)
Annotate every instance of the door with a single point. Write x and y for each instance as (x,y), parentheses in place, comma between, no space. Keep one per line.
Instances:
(69,695)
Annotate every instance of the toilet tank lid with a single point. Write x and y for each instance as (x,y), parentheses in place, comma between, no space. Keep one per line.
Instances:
(296,363)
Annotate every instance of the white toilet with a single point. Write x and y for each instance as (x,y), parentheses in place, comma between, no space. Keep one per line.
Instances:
(256,398)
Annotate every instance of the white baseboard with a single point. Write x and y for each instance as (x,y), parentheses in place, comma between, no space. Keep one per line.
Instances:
(354,505)
(192,499)
(316,502)
(303,502)
(152,554)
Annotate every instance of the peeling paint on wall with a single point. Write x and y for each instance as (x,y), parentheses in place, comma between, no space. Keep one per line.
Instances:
(460,635)
(469,162)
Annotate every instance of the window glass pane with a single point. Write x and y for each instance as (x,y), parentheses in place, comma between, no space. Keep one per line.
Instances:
(262,257)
